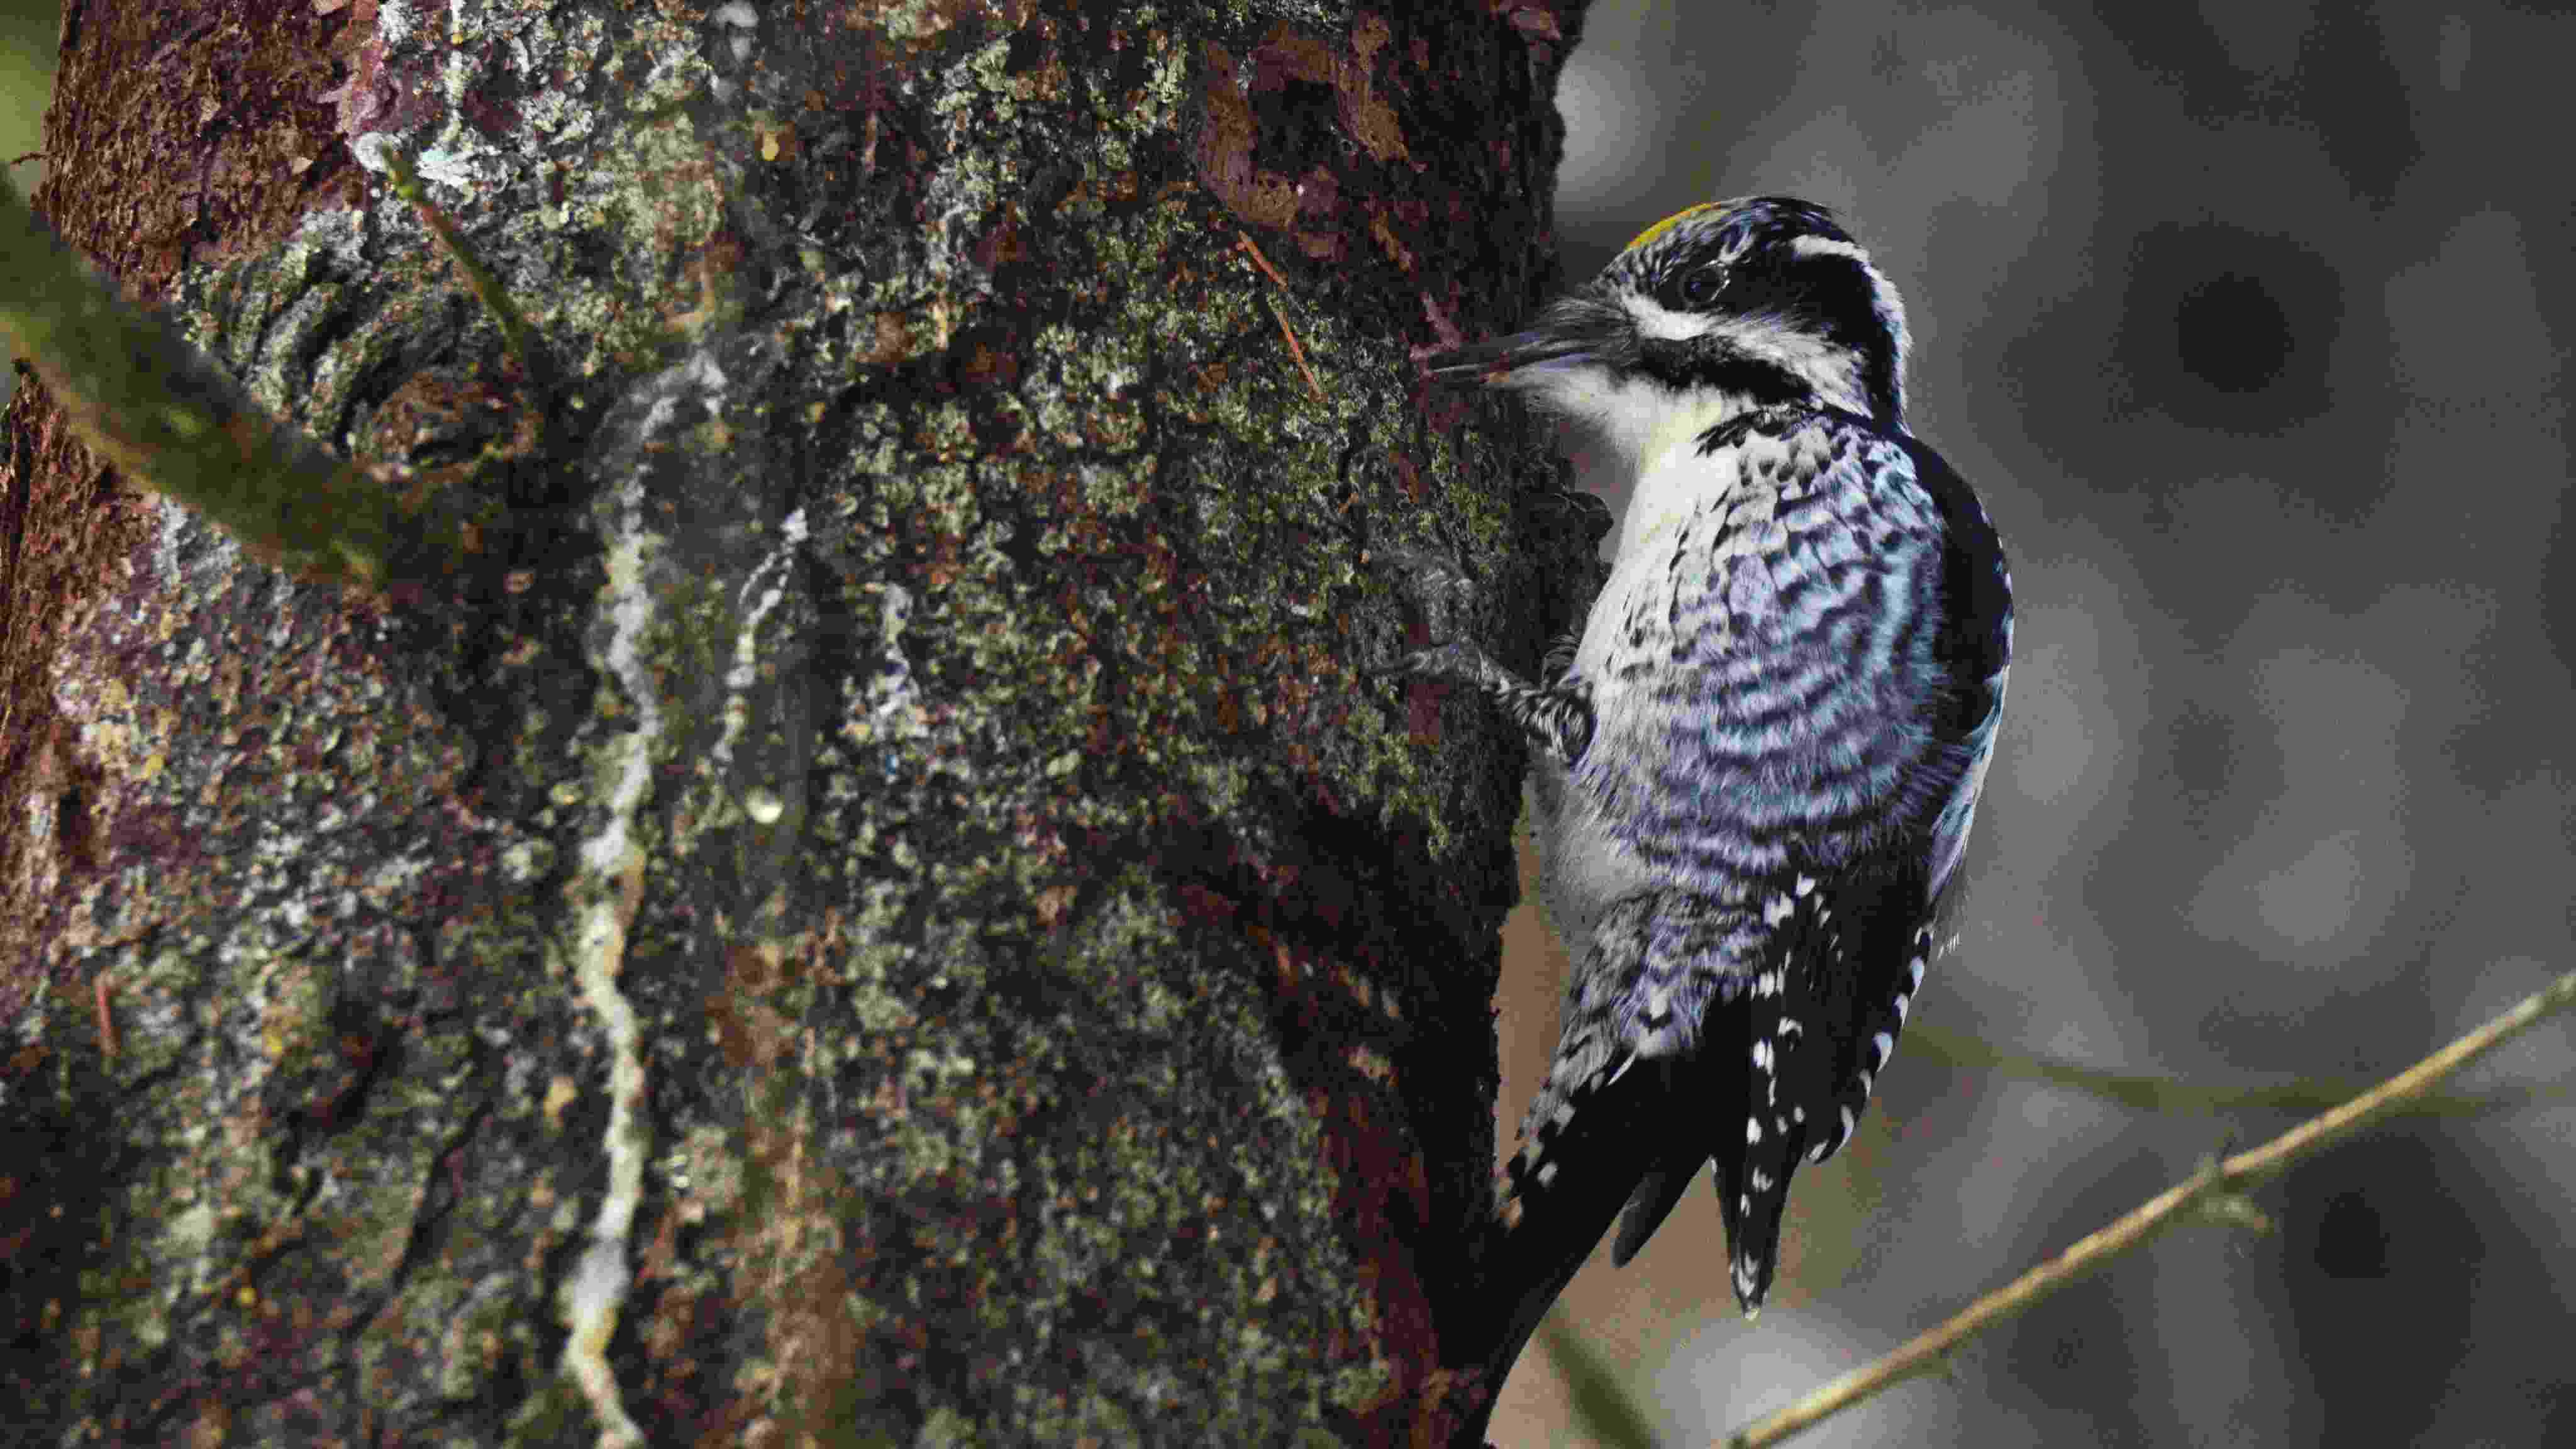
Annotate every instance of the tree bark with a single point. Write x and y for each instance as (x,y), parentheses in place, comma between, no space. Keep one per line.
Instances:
(882,905)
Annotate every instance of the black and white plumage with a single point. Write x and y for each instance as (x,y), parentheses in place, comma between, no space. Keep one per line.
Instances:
(1756,775)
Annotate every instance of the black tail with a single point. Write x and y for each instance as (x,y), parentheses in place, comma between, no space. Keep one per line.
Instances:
(1554,1203)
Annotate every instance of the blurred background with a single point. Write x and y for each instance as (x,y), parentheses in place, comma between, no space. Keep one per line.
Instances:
(27,31)
(2250,322)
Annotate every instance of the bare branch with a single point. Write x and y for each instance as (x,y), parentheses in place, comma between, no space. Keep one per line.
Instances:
(2174,1096)
(168,418)
(2219,1182)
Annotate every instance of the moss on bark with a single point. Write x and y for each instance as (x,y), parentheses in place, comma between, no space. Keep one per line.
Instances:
(889,911)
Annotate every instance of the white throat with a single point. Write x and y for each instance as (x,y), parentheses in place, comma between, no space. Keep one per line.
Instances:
(1650,438)
(1670,487)
(1638,422)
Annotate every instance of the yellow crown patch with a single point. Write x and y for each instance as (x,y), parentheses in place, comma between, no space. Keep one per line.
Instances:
(1674,220)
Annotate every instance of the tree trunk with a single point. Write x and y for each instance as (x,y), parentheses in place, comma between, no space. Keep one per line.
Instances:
(882,905)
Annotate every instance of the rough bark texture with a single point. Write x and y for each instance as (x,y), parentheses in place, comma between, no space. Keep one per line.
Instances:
(888,911)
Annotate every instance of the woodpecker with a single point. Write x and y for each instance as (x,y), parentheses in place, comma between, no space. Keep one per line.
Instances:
(1755,771)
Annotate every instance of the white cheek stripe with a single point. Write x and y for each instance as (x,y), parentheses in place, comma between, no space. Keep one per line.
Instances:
(1656,320)
(1833,373)
(1821,366)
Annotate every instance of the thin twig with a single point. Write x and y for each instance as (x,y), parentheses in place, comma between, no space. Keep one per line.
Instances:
(2223,1181)
(1243,240)
(2173,1096)
(486,288)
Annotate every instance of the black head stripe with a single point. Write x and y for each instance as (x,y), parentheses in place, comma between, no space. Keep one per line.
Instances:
(1788,265)
(1837,298)
(1766,384)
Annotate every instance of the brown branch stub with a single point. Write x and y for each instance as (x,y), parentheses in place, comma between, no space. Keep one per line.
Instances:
(2217,1179)
(1313,387)
(1244,243)
(105,1000)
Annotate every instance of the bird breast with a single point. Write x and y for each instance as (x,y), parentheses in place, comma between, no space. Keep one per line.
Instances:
(1756,661)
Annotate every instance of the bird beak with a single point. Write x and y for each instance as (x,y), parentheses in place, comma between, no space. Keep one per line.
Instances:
(1583,329)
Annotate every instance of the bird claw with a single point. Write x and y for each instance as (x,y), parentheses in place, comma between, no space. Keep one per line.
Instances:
(1556,719)
(1558,662)
(1437,588)
(1432,580)
(1458,662)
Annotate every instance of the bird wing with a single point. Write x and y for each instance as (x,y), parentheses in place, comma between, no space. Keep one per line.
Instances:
(1825,642)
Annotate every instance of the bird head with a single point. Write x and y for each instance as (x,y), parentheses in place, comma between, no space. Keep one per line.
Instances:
(1756,302)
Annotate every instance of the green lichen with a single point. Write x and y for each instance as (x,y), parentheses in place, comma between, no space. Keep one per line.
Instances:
(1008,999)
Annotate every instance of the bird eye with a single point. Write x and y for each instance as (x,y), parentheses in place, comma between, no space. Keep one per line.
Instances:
(1701,285)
